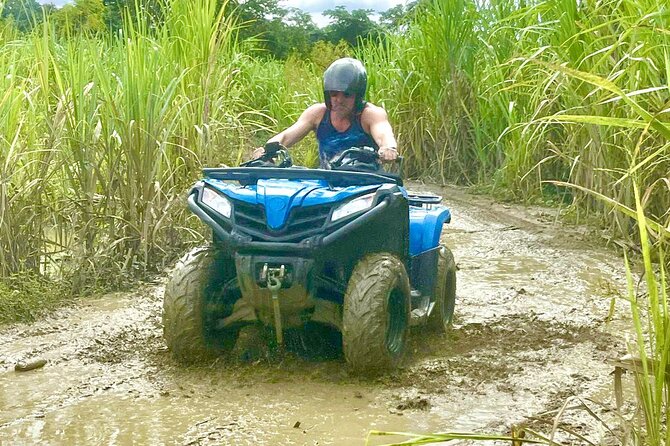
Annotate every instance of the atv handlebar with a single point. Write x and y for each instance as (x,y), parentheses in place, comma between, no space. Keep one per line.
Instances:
(271,148)
(276,155)
(356,155)
(363,159)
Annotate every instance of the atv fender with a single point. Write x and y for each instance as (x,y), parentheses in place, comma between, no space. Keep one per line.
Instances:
(426,227)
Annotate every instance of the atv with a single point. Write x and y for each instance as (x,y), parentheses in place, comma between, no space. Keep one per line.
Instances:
(346,248)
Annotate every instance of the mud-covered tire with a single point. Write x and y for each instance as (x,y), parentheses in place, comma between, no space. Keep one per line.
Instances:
(375,317)
(444,291)
(185,322)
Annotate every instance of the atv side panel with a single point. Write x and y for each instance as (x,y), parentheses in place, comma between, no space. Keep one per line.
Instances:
(422,271)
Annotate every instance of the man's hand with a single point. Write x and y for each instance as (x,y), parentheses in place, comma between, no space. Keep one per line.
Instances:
(387,154)
(257,153)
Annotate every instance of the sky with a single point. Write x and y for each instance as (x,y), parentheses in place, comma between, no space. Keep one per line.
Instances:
(316,7)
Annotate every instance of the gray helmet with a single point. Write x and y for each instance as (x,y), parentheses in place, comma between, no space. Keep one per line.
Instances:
(347,75)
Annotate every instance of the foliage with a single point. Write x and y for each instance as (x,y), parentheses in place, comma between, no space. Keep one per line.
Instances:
(278,31)
(276,94)
(114,11)
(84,16)
(324,53)
(571,93)
(25,297)
(90,158)
(492,90)
(291,33)
(394,17)
(264,25)
(22,14)
(101,137)
(651,320)
(350,27)
(426,79)
(444,437)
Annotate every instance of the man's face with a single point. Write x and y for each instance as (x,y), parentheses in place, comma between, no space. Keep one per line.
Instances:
(342,103)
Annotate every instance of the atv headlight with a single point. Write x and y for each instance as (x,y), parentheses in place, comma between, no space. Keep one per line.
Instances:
(351,207)
(217,202)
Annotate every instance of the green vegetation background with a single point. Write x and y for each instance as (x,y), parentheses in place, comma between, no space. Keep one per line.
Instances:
(110,110)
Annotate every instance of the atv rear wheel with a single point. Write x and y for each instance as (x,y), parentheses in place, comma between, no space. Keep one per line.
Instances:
(189,310)
(375,318)
(444,291)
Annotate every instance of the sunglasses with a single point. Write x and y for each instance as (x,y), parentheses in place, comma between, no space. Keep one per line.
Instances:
(345,93)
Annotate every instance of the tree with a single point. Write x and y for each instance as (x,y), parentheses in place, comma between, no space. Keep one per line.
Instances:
(150,12)
(394,18)
(291,32)
(350,26)
(23,14)
(114,10)
(280,31)
(84,16)
(398,18)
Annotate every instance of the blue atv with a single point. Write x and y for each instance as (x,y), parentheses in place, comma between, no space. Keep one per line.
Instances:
(346,248)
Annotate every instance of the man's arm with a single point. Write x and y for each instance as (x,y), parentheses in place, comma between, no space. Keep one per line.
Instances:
(308,121)
(379,127)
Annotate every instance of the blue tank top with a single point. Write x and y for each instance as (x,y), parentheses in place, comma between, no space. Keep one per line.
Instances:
(332,142)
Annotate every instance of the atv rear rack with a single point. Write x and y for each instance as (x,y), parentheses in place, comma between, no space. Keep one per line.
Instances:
(421,199)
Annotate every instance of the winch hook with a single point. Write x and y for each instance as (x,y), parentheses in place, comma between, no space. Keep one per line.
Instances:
(275,278)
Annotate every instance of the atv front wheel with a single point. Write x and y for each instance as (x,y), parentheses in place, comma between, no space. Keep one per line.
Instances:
(188,316)
(375,318)
(444,292)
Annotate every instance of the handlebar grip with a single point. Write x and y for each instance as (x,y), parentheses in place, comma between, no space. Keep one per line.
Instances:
(272,148)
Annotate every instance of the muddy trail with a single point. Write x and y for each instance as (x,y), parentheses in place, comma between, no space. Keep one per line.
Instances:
(531,332)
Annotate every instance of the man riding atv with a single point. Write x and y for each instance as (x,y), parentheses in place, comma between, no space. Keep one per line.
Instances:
(302,249)
(345,120)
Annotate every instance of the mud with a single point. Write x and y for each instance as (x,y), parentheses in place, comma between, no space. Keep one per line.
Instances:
(531,332)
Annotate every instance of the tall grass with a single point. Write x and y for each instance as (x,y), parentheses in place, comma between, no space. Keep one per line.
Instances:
(425,80)
(276,93)
(102,135)
(651,317)
(556,93)
(473,90)
(24,207)
(125,111)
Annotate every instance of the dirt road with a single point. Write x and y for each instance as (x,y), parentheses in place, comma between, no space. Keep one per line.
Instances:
(530,332)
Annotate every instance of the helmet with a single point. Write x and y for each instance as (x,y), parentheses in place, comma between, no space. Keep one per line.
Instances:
(347,75)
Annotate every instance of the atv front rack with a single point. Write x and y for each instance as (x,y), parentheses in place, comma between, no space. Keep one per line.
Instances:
(337,178)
